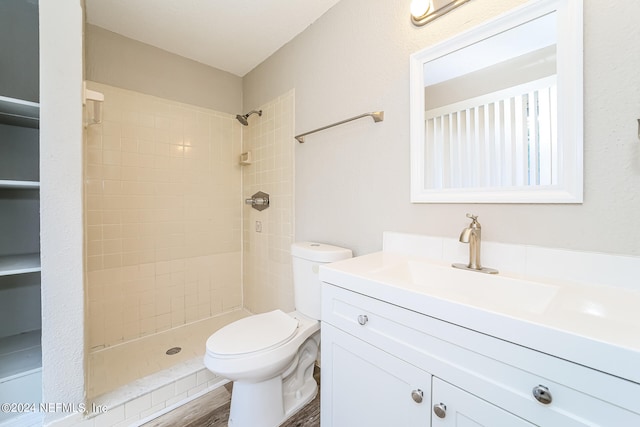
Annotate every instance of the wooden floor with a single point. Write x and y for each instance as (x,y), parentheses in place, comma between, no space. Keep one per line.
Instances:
(212,410)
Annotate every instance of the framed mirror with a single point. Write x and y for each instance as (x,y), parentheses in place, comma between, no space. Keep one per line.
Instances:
(497,111)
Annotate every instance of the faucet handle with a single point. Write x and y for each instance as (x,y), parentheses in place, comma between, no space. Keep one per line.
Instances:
(474,221)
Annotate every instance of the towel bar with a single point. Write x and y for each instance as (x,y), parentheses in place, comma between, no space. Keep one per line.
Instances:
(377,116)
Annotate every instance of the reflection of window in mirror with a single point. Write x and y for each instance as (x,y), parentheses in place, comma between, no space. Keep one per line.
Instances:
(490,111)
(496,112)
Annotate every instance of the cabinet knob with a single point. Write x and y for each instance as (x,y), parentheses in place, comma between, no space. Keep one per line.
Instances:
(416,395)
(542,394)
(363,319)
(440,410)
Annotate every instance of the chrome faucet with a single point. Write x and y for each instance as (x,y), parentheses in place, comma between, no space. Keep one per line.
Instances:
(472,236)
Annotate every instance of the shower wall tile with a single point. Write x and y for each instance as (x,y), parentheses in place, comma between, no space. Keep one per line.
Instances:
(162,216)
(267,271)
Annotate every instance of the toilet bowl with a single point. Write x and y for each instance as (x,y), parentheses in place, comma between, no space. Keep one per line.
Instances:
(270,356)
(269,344)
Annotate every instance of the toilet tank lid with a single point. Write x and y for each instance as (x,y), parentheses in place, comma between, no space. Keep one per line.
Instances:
(319,252)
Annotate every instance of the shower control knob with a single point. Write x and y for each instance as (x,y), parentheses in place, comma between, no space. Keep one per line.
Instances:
(542,394)
(363,319)
(440,410)
(416,395)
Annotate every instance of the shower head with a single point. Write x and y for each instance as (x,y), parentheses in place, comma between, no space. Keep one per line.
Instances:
(243,118)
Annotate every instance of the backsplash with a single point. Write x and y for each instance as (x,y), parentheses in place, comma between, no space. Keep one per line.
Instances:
(525,260)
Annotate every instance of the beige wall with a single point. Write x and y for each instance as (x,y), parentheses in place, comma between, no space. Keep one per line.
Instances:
(163,216)
(352,182)
(122,62)
(267,274)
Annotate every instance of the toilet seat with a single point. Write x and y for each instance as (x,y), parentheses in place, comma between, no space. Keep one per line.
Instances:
(253,334)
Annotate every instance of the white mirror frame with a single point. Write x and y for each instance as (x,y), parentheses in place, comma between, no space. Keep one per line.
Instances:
(570,109)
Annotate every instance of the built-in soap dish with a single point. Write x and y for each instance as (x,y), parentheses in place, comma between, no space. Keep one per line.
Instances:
(245,158)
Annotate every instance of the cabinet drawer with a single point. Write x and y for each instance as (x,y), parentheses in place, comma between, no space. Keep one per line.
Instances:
(497,371)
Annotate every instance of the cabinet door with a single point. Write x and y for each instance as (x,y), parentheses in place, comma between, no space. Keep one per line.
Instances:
(455,407)
(362,385)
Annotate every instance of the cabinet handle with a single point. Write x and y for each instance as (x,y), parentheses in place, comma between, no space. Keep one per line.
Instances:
(416,395)
(363,319)
(542,394)
(440,410)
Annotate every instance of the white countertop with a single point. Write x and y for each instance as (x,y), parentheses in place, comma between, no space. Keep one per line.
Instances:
(594,325)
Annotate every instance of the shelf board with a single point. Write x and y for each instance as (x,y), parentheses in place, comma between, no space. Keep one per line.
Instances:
(19,264)
(17,112)
(20,354)
(19,185)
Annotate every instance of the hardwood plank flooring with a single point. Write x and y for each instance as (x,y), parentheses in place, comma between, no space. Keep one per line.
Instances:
(212,410)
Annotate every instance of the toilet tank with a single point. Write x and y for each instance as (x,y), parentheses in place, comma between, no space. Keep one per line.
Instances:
(306,258)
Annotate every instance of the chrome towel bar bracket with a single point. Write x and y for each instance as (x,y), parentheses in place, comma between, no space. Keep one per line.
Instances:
(377,116)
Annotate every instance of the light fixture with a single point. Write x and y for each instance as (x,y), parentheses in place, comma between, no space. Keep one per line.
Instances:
(420,8)
(424,11)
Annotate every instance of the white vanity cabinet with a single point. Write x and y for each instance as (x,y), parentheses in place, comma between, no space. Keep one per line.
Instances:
(370,387)
(453,406)
(375,354)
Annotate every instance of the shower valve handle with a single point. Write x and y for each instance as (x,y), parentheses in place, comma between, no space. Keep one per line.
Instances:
(259,201)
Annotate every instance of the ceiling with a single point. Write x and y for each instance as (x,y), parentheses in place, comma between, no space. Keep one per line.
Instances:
(231,35)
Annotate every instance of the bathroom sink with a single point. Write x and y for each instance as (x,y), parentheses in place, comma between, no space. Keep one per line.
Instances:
(590,323)
(493,292)
(579,306)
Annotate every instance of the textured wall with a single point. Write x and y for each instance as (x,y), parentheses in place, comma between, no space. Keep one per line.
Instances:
(61,215)
(122,62)
(352,182)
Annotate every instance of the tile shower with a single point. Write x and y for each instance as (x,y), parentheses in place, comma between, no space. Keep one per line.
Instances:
(170,246)
(267,275)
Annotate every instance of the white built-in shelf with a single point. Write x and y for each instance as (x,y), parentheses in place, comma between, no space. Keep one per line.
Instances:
(17,112)
(19,355)
(19,185)
(19,264)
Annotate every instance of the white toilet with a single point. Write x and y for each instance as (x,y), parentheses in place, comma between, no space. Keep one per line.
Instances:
(270,356)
